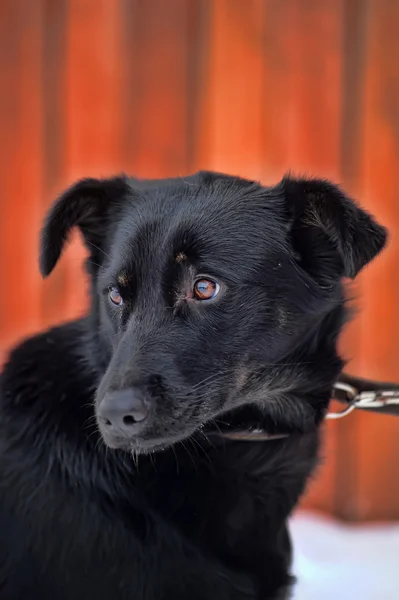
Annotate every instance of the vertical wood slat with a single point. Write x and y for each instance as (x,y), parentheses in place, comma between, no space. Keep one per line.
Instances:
(94,88)
(21,34)
(53,290)
(94,119)
(302,96)
(317,60)
(343,478)
(156,118)
(230,134)
(377,449)
(278,96)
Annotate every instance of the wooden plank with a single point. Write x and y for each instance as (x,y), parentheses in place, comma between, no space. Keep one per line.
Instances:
(377,445)
(53,291)
(278,101)
(301,117)
(314,141)
(94,86)
(354,46)
(94,119)
(231,133)
(21,31)
(199,84)
(157,35)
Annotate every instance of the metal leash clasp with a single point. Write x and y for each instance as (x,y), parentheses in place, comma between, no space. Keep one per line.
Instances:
(364,400)
(352,394)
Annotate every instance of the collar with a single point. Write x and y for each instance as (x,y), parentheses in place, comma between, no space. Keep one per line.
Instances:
(356,393)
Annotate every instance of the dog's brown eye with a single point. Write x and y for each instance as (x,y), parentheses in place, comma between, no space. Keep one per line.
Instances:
(205,289)
(115,296)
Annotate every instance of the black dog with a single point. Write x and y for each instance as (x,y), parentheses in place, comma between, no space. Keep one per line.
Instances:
(216,307)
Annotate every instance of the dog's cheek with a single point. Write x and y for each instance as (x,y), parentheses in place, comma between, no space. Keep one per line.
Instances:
(109,328)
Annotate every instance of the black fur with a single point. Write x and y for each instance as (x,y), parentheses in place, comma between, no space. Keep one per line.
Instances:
(174,511)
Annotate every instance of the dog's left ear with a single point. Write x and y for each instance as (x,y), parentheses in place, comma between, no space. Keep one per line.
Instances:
(332,236)
(87,205)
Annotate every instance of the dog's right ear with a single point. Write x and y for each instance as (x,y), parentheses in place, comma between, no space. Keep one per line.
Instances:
(87,205)
(332,236)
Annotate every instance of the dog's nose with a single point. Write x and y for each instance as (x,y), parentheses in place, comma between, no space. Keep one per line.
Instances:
(124,412)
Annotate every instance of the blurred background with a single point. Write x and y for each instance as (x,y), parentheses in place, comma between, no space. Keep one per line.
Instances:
(251,87)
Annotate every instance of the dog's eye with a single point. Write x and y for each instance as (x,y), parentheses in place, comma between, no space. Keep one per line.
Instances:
(115,296)
(205,289)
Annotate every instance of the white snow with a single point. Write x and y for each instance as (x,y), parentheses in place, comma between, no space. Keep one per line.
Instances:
(335,561)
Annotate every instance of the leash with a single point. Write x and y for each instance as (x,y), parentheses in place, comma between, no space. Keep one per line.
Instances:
(365,394)
(355,392)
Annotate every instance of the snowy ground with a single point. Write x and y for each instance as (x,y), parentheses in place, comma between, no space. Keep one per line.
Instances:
(339,562)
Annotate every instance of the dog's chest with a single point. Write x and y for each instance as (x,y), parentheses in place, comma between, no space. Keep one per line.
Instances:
(213,503)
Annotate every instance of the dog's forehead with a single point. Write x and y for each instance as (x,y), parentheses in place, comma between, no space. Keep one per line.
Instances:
(226,221)
(208,208)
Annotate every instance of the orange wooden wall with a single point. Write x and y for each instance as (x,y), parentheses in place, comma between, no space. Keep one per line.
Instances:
(164,87)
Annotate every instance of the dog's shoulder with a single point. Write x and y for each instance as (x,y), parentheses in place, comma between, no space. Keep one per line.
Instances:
(46,389)
(44,366)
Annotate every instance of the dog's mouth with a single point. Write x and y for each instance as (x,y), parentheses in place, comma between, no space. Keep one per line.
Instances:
(150,446)
(161,433)
(150,442)
(145,444)
(208,432)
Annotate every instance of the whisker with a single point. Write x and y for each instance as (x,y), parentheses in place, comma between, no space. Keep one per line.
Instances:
(205,453)
(98,248)
(209,441)
(188,452)
(152,460)
(187,182)
(177,460)
(93,263)
(209,378)
(99,444)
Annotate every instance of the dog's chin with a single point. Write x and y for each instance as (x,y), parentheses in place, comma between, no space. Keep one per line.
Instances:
(142,444)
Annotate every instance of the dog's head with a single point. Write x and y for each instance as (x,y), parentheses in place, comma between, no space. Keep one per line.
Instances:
(212,295)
